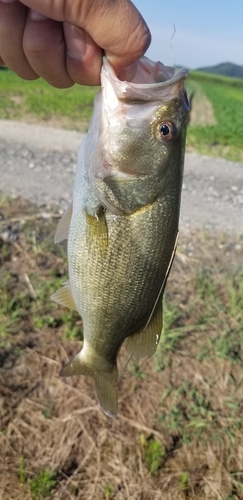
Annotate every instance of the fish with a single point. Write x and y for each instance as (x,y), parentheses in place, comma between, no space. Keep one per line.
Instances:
(122,225)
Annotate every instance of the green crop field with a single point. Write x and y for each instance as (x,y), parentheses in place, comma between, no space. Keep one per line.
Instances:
(220,133)
(216,124)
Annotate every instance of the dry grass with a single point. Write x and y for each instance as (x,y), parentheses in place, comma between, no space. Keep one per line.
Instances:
(179,430)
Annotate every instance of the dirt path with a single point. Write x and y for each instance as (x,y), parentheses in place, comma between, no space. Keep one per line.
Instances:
(39,163)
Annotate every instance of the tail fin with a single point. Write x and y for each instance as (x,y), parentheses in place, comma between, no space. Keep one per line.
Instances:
(105,382)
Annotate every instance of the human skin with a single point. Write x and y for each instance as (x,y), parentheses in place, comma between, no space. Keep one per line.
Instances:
(63,41)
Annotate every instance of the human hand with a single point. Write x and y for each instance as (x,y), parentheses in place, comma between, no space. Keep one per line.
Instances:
(64,43)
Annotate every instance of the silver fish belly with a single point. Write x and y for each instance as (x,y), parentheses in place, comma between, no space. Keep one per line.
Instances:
(123,224)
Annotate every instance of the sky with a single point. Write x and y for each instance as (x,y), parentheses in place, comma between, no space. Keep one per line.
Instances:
(208,32)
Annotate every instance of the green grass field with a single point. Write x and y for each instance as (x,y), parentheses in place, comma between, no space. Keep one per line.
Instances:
(36,101)
(216,127)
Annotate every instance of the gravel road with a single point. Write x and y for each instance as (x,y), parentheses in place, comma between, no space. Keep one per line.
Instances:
(39,164)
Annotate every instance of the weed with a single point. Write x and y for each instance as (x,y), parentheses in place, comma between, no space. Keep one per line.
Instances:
(108,492)
(42,322)
(10,311)
(184,479)
(48,411)
(154,453)
(171,334)
(190,414)
(136,370)
(52,316)
(5,251)
(41,485)
(22,470)
(72,329)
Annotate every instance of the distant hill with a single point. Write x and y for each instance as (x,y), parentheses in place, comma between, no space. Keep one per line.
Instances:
(226,69)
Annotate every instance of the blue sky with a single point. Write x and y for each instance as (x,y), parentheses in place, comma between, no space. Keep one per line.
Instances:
(208,32)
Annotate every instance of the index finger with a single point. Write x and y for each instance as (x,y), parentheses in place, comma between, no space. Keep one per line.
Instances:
(116,26)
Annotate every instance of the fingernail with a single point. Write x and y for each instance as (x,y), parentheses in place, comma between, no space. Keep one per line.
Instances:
(75,41)
(36,16)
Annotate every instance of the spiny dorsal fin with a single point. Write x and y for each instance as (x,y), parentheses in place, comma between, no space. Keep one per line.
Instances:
(63,226)
(144,343)
(64,297)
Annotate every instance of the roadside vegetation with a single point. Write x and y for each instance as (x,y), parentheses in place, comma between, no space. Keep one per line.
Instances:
(216,125)
(179,433)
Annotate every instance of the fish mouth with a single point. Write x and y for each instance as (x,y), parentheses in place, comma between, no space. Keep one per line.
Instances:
(151,82)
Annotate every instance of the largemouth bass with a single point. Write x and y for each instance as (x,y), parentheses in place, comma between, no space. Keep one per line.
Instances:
(123,224)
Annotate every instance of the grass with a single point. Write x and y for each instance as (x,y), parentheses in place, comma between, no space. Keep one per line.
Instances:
(21,311)
(40,485)
(180,426)
(153,453)
(37,101)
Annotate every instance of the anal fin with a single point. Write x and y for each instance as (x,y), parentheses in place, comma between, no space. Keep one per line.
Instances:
(64,297)
(64,224)
(144,343)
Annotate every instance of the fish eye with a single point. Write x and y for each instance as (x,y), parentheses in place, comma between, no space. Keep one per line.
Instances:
(166,131)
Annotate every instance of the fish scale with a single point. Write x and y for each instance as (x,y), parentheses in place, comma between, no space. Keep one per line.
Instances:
(122,228)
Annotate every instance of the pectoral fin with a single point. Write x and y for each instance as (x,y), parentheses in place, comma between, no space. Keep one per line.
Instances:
(98,232)
(144,343)
(64,297)
(63,226)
